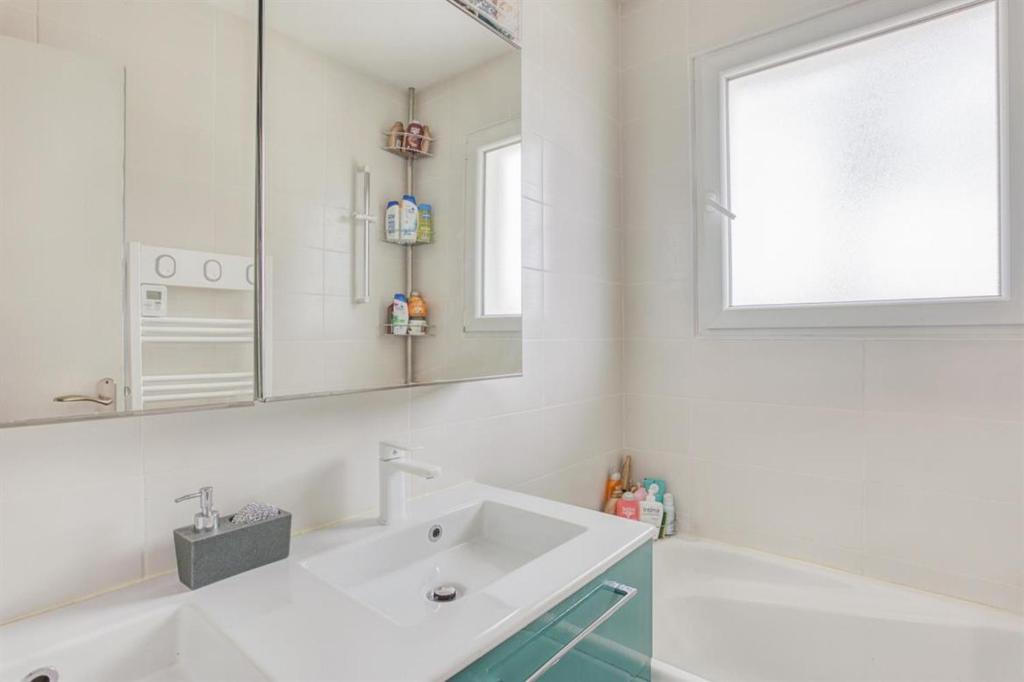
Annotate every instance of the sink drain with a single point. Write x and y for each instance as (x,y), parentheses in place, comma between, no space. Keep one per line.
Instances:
(42,675)
(443,593)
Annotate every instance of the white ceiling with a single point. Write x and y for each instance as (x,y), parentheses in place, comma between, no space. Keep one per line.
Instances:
(404,42)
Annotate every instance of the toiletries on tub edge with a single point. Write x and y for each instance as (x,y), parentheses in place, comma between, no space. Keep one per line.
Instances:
(647,502)
(651,511)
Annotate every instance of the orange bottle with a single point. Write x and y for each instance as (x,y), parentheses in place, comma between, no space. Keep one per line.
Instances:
(614,479)
(417,314)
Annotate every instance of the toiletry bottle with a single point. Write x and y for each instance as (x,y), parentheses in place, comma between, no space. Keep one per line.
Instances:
(613,480)
(640,494)
(661,487)
(409,222)
(427,139)
(399,318)
(613,500)
(651,511)
(417,314)
(628,507)
(414,136)
(396,136)
(425,227)
(627,471)
(670,515)
(392,219)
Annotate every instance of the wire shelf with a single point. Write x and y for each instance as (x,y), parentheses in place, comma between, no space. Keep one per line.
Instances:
(409,330)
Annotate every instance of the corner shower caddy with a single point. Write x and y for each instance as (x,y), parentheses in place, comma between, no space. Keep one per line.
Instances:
(410,156)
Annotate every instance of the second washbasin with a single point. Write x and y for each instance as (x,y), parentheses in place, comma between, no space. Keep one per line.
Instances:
(407,574)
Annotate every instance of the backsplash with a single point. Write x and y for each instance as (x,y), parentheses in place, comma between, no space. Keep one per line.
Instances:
(100,493)
(898,459)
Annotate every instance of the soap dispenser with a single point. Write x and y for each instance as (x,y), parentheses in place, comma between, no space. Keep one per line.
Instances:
(207,518)
(208,551)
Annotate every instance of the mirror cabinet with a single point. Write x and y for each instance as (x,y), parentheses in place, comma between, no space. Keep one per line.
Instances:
(212,202)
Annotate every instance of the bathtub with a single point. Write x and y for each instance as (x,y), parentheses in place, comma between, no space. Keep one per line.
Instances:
(723,613)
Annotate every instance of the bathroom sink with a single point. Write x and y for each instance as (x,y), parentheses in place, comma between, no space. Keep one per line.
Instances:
(174,645)
(404,575)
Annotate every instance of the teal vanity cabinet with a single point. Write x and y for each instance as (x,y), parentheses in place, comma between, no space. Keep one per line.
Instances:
(602,633)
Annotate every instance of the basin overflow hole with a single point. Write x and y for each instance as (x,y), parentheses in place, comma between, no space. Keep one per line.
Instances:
(434,534)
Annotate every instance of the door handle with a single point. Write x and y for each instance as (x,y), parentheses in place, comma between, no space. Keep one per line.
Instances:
(105,394)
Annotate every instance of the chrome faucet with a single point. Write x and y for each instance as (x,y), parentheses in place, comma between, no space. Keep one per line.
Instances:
(395,462)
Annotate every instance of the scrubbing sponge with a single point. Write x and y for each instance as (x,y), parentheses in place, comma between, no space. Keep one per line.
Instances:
(253,512)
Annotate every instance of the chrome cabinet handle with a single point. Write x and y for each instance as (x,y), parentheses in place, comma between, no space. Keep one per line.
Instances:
(625,591)
(105,390)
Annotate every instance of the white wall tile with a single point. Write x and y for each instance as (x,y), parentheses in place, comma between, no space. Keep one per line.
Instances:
(18,19)
(800,440)
(960,536)
(581,369)
(657,423)
(964,457)
(77,454)
(983,379)
(59,544)
(658,366)
(821,373)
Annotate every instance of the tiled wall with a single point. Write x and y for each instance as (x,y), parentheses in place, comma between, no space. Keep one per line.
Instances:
(87,506)
(321,121)
(474,100)
(898,459)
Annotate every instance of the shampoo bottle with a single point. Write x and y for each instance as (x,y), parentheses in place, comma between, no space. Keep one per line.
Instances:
(410,219)
(399,317)
(392,218)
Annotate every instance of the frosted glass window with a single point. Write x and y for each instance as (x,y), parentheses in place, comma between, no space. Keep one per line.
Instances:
(502,231)
(870,171)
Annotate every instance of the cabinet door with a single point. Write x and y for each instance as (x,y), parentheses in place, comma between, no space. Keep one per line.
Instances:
(61,229)
(618,603)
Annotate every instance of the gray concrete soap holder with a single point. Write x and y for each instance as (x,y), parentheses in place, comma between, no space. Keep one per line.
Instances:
(205,557)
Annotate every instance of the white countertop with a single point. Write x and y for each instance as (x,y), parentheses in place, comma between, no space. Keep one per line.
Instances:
(295,626)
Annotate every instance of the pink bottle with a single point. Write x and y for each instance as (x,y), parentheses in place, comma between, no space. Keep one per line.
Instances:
(628,507)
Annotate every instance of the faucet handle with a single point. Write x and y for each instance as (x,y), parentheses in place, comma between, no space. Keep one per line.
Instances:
(390,451)
(207,518)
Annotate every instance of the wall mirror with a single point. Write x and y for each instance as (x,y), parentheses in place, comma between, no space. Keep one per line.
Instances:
(127,206)
(391,194)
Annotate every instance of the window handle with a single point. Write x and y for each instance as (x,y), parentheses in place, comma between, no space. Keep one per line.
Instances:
(713,203)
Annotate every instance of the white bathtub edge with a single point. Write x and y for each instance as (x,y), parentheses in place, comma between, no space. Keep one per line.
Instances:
(663,672)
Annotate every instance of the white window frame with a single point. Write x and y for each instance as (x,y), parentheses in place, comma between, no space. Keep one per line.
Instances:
(477,146)
(826,31)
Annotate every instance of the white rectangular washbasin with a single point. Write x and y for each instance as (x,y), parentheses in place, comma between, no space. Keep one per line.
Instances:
(467,549)
(173,645)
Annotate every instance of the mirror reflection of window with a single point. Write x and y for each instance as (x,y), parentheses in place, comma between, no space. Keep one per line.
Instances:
(494,280)
(501,229)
